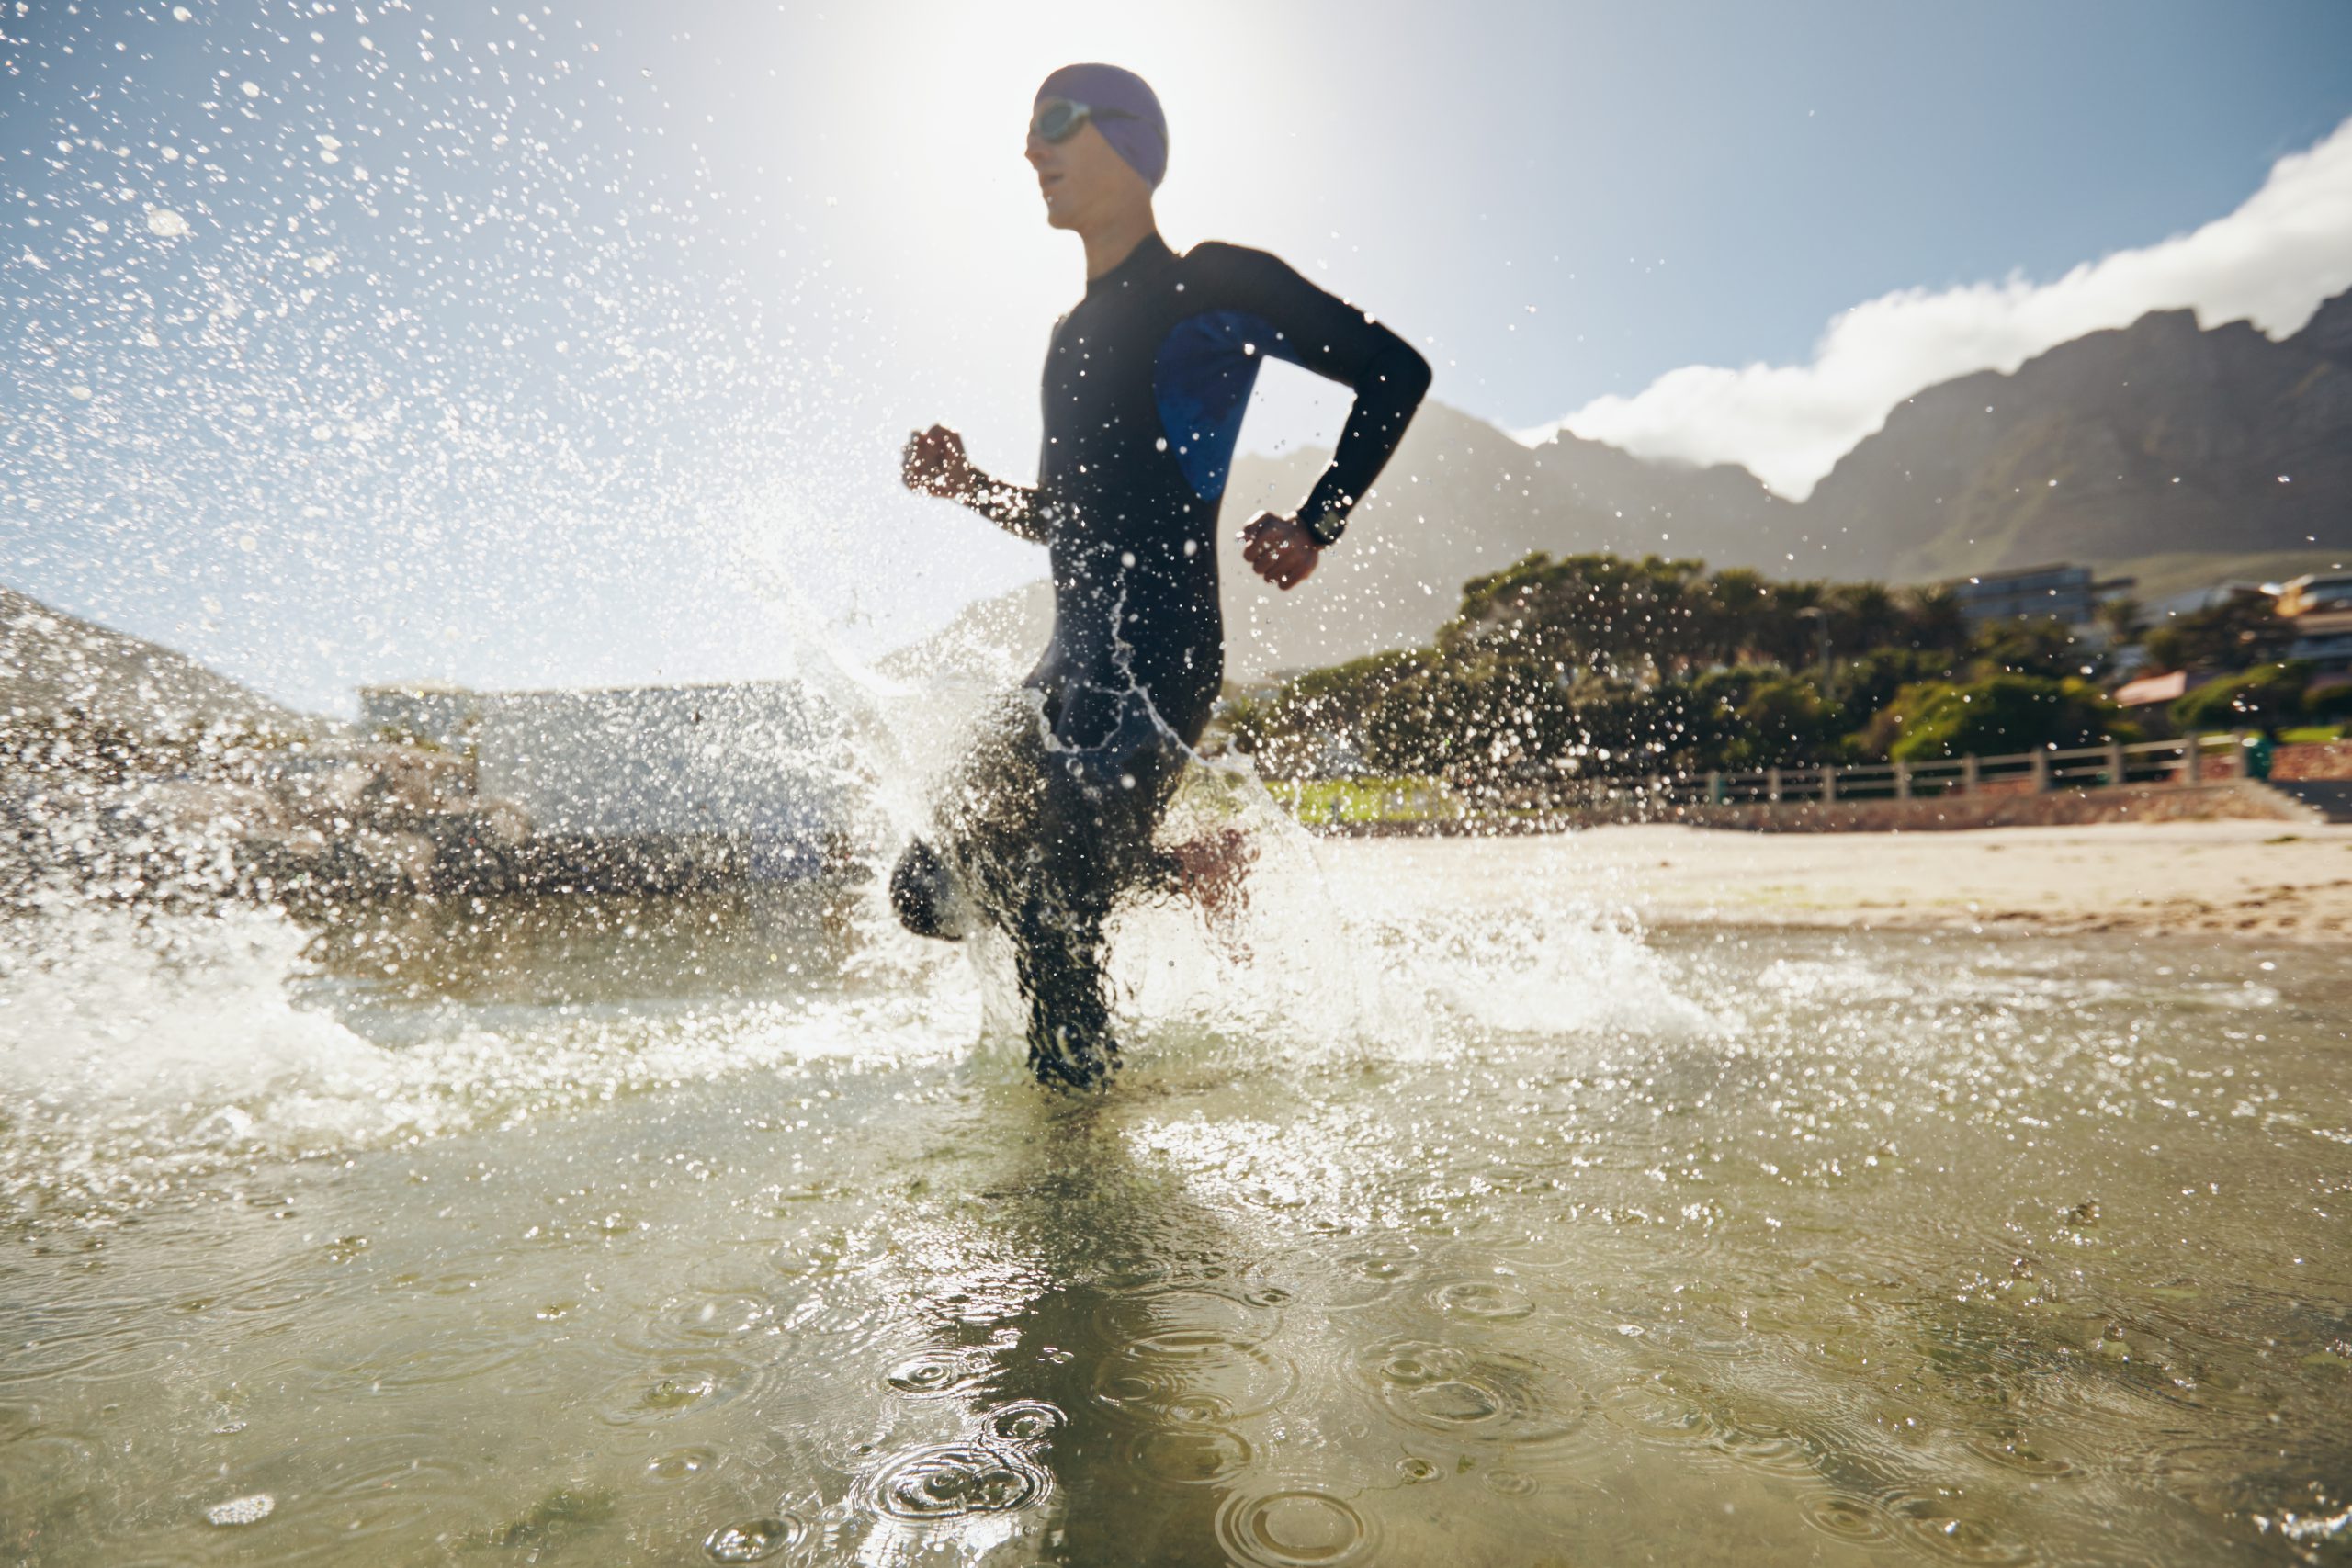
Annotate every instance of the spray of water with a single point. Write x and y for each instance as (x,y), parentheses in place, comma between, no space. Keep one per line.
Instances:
(355,346)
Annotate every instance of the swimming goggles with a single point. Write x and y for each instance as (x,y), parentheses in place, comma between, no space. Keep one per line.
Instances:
(1058,119)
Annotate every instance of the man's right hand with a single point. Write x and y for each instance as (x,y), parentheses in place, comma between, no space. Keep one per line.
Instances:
(934,464)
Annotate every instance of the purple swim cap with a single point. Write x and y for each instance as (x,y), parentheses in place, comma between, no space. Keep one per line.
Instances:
(1136,130)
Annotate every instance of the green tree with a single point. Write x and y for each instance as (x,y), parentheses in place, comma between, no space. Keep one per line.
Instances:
(1996,715)
(1742,603)
(2238,634)
(1586,611)
(1862,615)
(1933,620)
(2121,619)
(1863,685)
(2039,646)
(2329,704)
(1288,729)
(2266,697)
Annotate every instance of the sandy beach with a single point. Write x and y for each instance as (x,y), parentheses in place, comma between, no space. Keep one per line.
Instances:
(2249,880)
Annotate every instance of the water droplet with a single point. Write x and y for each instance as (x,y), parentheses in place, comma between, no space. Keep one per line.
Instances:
(681,1465)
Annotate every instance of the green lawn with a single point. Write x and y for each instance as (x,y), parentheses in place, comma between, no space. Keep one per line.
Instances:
(1365,800)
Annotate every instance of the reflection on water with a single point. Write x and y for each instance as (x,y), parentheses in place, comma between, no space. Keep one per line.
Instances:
(726,1245)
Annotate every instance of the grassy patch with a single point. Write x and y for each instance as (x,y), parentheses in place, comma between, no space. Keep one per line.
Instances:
(1345,801)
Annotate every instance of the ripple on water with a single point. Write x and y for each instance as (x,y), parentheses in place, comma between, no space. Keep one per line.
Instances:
(1773,1447)
(1133,1271)
(1947,1529)
(1148,1317)
(1843,1516)
(381,1485)
(663,1392)
(1481,1300)
(947,1480)
(1473,1394)
(1655,1411)
(1192,1379)
(748,1540)
(428,1360)
(119,1357)
(844,1317)
(2015,1453)
(689,1323)
(941,1374)
(1296,1528)
(1373,1271)
(1190,1456)
(1025,1424)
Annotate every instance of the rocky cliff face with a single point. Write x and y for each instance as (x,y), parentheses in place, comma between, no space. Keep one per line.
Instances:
(2152,439)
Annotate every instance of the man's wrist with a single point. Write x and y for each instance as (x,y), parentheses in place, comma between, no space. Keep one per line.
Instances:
(1323,524)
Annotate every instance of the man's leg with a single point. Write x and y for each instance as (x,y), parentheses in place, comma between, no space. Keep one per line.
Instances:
(1096,839)
(1058,955)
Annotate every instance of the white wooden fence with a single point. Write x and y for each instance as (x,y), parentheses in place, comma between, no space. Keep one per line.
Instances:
(2191,760)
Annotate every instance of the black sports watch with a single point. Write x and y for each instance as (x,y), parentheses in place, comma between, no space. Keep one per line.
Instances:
(1324,523)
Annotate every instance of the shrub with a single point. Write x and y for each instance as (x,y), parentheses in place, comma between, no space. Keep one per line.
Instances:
(2264,697)
(1996,715)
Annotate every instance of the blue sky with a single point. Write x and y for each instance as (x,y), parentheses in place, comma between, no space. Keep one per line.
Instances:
(600,322)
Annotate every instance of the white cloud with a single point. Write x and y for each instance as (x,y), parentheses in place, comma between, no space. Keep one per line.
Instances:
(2271,262)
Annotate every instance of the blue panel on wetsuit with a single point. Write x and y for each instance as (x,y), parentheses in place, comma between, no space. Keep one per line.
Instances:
(1201,380)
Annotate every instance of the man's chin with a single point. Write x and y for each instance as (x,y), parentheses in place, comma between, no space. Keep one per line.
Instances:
(1057,218)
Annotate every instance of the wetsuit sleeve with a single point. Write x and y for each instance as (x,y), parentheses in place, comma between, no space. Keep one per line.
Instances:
(1011,507)
(1332,338)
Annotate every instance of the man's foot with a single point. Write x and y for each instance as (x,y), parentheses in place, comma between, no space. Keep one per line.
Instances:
(926,896)
(1073,1059)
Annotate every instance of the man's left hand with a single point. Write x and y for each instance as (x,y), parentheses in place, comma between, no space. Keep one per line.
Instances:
(1280,549)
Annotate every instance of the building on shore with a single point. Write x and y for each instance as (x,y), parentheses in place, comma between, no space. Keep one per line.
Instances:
(2068,595)
(750,771)
(2320,608)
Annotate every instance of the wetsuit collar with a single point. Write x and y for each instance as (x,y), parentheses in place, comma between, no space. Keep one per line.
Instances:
(1149,252)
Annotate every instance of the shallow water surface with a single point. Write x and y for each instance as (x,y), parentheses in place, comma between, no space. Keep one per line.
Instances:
(695,1232)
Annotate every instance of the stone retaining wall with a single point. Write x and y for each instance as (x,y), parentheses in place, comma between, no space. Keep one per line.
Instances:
(2331,760)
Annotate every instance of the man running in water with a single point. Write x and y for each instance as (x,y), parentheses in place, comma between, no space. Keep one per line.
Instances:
(1146,382)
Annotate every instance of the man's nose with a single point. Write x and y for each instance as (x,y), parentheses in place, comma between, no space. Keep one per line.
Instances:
(1033,149)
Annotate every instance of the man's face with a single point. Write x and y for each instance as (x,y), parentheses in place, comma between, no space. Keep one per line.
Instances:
(1082,179)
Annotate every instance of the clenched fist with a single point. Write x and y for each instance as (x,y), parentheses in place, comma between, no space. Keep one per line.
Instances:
(934,463)
(1280,549)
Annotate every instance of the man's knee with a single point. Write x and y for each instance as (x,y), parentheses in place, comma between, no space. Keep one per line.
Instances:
(924,895)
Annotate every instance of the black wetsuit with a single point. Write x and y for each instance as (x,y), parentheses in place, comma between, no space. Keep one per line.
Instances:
(1146,383)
